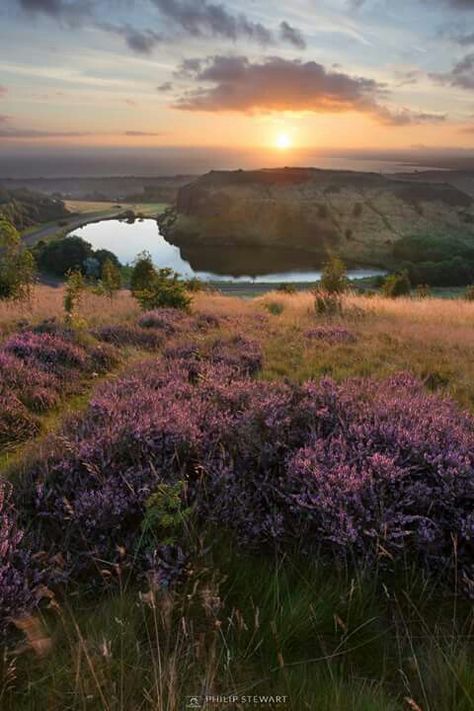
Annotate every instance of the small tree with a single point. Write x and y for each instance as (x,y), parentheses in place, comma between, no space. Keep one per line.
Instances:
(396,285)
(423,291)
(75,287)
(469,293)
(164,290)
(17,265)
(111,278)
(143,273)
(334,277)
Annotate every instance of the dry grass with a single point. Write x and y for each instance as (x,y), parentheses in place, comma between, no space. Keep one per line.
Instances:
(47,302)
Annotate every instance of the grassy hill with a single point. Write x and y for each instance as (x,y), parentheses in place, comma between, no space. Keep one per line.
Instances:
(241,499)
(24,208)
(359,216)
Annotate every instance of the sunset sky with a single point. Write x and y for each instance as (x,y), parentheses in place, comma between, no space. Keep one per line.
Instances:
(305,73)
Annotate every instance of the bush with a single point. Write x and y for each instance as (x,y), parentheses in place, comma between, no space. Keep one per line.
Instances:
(275,308)
(165,290)
(423,291)
(63,255)
(122,335)
(327,303)
(170,321)
(110,278)
(143,273)
(17,265)
(396,285)
(469,293)
(287,288)
(334,277)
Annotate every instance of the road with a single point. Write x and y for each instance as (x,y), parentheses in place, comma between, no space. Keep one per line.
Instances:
(53,228)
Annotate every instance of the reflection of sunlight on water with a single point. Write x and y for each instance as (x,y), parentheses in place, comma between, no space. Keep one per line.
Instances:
(126,240)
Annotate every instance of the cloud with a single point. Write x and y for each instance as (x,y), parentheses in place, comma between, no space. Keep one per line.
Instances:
(140,41)
(468,129)
(3,118)
(201,18)
(136,134)
(461,75)
(276,84)
(464,40)
(408,78)
(292,35)
(3,90)
(71,11)
(167,86)
(33,133)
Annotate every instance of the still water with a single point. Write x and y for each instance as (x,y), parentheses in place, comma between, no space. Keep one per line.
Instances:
(261,265)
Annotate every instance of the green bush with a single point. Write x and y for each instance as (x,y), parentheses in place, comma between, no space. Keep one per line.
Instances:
(274,308)
(396,285)
(143,273)
(17,265)
(334,277)
(111,278)
(164,290)
(287,288)
(469,293)
(327,303)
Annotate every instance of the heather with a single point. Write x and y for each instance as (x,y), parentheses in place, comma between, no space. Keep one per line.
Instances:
(240,508)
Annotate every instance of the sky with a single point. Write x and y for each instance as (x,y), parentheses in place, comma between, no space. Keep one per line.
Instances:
(244,74)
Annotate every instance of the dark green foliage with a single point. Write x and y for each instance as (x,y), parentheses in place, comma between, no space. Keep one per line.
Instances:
(72,253)
(61,255)
(17,265)
(469,293)
(274,308)
(436,260)
(334,277)
(423,291)
(111,278)
(164,290)
(143,273)
(287,288)
(24,208)
(396,285)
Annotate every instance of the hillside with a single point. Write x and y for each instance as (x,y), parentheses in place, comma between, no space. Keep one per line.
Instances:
(24,208)
(361,216)
(236,497)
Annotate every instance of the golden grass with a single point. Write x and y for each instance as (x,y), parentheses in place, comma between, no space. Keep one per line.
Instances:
(47,302)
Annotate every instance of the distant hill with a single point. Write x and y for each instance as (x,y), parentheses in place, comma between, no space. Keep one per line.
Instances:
(360,216)
(125,189)
(24,208)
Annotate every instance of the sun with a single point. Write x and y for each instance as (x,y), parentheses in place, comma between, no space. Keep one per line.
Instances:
(283,141)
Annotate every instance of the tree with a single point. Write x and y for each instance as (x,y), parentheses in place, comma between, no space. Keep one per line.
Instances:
(17,265)
(396,285)
(164,290)
(75,287)
(111,278)
(63,255)
(143,273)
(334,277)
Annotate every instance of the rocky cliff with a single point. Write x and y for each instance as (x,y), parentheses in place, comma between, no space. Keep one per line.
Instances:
(359,216)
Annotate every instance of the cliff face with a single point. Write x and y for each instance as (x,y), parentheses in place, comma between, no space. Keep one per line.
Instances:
(357,215)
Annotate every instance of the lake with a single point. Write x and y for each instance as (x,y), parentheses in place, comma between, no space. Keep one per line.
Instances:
(261,265)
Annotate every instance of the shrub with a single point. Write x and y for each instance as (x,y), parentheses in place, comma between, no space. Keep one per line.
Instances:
(143,273)
(63,255)
(327,304)
(274,308)
(164,291)
(469,293)
(111,278)
(17,265)
(396,285)
(423,291)
(287,288)
(75,287)
(334,277)
(206,321)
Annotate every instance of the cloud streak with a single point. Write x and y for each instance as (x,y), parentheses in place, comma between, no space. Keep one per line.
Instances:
(461,75)
(276,84)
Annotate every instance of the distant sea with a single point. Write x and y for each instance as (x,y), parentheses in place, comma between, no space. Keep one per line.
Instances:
(35,161)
